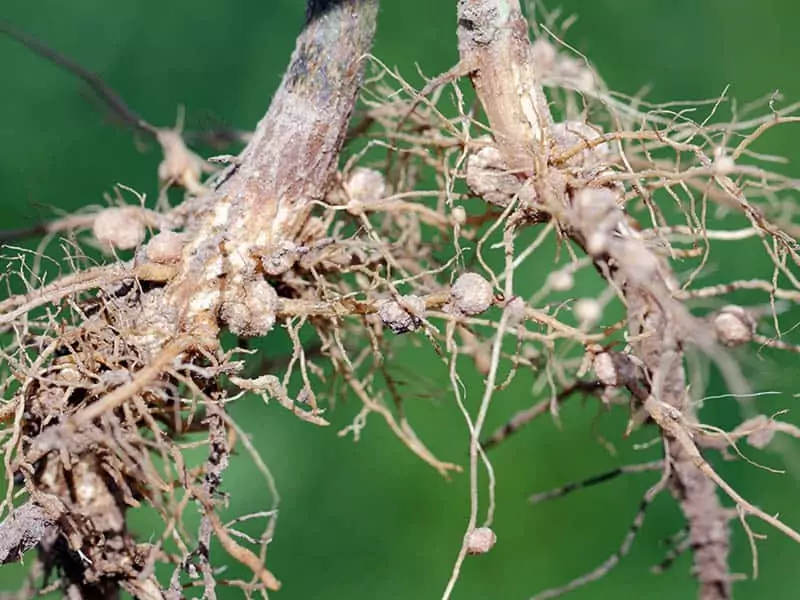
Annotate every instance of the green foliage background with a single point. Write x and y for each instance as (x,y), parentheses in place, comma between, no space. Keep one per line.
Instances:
(369,520)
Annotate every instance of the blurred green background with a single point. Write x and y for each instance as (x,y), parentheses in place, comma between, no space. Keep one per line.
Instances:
(368,519)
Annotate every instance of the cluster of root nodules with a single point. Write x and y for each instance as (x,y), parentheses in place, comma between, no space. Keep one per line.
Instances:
(86,442)
(427,239)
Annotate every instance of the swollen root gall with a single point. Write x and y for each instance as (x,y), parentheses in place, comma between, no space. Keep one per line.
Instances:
(119,228)
(250,308)
(588,311)
(402,315)
(366,185)
(734,326)
(480,540)
(459,215)
(471,294)
(165,247)
(580,140)
(561,281)
(605,370)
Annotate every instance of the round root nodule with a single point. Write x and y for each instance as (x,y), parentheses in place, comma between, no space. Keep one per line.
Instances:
(480,540)
(250,309)
(402,315)
(119,228)
(472,294)
(734,326)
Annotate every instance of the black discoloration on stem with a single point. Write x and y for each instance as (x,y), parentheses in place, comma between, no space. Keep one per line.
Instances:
(295,150)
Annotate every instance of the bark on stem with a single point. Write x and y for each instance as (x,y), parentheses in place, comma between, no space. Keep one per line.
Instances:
(656,326)
(495,51)
(295,148)
(258,210)
(494,47)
